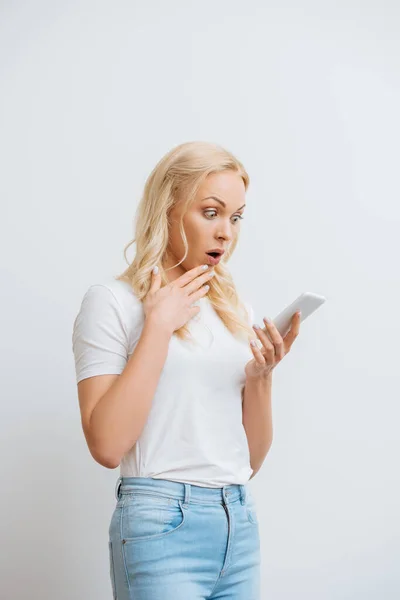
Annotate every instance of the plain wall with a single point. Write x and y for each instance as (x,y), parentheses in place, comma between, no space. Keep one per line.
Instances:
(307,95)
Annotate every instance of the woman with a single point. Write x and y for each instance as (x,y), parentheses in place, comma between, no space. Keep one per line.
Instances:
(172,390)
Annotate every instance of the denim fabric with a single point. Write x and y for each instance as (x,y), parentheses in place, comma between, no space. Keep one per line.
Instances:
(177,541)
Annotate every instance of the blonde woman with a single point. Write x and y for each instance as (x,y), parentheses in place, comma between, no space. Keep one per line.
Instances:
(172,391)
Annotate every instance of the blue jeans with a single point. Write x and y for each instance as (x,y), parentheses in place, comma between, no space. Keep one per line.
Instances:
(177,541)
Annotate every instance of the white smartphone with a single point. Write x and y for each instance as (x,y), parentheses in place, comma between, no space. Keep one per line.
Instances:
(307,303)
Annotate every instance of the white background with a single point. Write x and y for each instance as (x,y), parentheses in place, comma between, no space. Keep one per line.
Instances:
(307,95)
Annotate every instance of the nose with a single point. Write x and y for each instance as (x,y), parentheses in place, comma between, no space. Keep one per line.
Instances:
(225,231)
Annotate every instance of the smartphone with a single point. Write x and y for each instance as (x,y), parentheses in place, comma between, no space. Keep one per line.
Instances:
(307,303)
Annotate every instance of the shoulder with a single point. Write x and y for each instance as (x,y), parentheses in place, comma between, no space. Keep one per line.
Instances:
(113,301)
(117,292)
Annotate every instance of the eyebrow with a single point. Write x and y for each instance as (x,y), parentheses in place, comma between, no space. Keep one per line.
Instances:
(220,201)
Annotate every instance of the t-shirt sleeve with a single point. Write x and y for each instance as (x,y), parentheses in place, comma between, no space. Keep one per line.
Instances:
(99,337)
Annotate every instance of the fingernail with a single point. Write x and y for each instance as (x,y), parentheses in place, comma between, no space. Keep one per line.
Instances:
(204,267)
(267,319)
(256,326)
(155,270)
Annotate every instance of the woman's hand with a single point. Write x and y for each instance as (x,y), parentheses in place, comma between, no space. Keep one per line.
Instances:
(171,306)
(266,358)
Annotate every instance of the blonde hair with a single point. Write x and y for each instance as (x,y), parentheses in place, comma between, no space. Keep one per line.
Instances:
(180,173)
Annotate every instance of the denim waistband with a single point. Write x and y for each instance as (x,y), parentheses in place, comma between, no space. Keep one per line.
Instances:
(186,492)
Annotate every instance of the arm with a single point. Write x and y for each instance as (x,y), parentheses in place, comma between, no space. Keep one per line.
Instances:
(121,413)
(256,405)
(257,419)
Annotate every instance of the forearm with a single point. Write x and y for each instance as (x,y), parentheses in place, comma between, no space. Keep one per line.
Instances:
(121,414)
(257,419)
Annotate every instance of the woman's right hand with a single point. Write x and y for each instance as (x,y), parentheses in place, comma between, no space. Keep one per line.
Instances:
(171,306)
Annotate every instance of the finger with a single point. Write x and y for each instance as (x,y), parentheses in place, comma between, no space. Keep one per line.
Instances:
(193,286)
(199,293)
(293,331)
(268,346)
(190,275)
(194,310)
(276,337)
(258,355)
(155,280)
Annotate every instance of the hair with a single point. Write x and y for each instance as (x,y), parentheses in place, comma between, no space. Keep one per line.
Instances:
(179,174)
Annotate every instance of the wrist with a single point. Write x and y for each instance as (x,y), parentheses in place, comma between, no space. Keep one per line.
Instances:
(152,323)
(260,377)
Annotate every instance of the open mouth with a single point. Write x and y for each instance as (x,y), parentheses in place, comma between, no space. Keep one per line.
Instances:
(214,257)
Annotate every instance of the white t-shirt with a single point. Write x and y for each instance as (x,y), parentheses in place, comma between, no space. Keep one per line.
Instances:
(194,432)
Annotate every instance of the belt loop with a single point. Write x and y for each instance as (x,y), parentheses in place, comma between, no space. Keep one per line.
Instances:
(117,487)
(187,495)
(242,494)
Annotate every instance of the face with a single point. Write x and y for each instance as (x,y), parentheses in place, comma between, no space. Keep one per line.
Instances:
(208,224)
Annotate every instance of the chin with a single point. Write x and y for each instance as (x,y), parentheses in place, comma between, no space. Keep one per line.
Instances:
(189,264)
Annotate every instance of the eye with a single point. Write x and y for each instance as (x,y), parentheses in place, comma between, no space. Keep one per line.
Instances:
(214,211)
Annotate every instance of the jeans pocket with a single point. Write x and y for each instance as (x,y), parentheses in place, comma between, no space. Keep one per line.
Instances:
(146,517)
(251,511)
(112,572)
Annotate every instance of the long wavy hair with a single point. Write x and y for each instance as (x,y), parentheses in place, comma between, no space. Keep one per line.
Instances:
(179,174)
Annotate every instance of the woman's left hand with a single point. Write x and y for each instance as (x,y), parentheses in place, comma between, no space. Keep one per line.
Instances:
(266,358)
